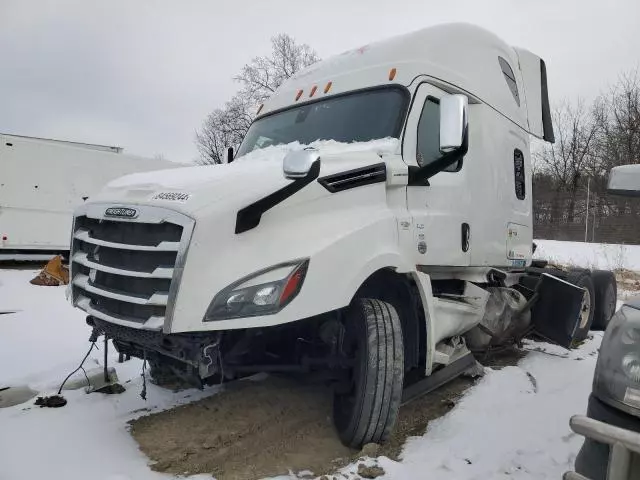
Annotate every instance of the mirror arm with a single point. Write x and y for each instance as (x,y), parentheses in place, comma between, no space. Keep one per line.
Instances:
(421,175)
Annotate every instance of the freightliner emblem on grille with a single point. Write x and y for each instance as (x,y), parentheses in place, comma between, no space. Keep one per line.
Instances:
(121,212)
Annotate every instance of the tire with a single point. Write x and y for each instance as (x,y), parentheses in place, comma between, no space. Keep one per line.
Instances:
(366,409)
(606,290)
(581,278)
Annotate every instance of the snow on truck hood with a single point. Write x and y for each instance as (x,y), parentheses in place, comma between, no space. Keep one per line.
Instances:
(253,175)
(269,157)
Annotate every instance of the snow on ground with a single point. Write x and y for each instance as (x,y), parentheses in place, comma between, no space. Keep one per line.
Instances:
(87,438)
(596,256)
(590,255)
(513,424)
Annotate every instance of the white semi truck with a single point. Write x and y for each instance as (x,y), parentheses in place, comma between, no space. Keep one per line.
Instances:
(42,181)
(375,225)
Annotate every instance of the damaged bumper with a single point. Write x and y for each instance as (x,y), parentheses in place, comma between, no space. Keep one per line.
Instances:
(199,353)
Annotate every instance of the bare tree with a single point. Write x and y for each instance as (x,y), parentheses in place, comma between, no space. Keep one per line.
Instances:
(618,115)
(589,143)
(263,75)
(223,128)
(226,127)
(567,161)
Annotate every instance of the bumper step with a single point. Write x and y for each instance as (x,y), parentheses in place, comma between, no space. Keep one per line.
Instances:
(437,379)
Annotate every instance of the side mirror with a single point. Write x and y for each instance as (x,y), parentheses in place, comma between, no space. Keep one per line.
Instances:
(229,154)
(453,122)
(454,139)
(624,180)
(297,163)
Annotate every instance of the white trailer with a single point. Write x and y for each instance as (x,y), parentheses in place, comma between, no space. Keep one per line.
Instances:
(376,224)
(42,181)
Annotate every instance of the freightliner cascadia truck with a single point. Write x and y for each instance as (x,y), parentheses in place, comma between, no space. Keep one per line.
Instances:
(374,227)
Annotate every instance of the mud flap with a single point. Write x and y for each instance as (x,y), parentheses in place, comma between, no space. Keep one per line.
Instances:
(556,313)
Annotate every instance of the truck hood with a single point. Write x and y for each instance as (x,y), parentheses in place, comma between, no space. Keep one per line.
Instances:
(247,179)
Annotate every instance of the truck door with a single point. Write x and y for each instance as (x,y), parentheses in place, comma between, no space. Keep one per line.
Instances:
(442,229)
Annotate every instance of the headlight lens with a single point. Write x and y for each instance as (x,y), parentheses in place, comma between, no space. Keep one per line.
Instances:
(263,293)
(617,376)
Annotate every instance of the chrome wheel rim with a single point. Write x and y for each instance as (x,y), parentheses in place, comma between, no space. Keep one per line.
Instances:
(585,309)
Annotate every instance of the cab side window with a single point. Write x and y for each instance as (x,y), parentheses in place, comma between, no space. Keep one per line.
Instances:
(510,78)
(428,148)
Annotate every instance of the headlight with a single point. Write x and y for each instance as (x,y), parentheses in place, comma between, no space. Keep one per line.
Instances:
(617,376)
(263,293)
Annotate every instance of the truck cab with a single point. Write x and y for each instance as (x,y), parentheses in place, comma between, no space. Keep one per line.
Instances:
(376,215)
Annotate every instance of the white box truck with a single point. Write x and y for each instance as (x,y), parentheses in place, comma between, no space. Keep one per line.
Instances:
(42,181)
(375,225)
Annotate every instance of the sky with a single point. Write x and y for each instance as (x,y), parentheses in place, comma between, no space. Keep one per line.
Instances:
(144,74)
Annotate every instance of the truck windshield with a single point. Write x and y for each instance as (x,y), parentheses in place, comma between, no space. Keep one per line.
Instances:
(355,117)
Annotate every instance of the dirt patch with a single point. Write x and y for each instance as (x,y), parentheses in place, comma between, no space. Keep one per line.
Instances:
(505,357)
(628,280)
(251,430)
(258,429)
(370,472)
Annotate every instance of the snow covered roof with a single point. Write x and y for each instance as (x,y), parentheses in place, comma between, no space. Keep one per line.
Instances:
(458,57)
(92,146)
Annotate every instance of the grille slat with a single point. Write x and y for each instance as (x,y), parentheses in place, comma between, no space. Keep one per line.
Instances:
(139,261)
(85,236)
(85,303)
(123,271)
(143,234)
(144,287)
(156,299)
(83,259)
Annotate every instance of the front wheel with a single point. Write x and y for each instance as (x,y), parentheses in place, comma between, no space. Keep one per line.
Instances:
(366,405)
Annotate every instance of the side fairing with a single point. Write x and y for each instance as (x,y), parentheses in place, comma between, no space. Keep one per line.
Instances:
(534,80)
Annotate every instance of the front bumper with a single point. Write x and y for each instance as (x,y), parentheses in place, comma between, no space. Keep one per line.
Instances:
(197,353)
(593,457)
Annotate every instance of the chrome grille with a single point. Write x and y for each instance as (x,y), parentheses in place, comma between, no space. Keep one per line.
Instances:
(127,271)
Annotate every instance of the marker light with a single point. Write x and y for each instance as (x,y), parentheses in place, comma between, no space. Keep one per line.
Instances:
(292,286)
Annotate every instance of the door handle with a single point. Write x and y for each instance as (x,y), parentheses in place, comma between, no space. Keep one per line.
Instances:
(466,235)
